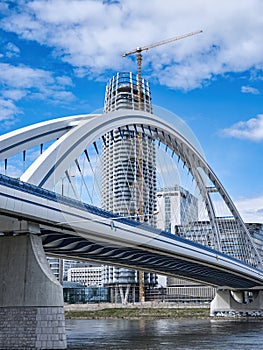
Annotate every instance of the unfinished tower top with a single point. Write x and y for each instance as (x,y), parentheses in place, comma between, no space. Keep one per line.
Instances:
(122,92)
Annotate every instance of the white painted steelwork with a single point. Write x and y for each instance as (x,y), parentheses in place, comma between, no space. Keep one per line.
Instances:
(124,242)
(80,131)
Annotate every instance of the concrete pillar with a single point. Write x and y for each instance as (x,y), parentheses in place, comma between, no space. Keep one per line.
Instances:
(224,304)
(31,299)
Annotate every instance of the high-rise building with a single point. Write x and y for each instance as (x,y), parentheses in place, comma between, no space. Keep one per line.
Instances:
(128,156)
(201,232)
(256,231)
(128,174)
(175,206)
(122,92)
(230,240)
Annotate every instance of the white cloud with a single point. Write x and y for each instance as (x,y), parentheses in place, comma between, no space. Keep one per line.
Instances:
(20,81)
(23,77)
(64,81)
(249,90)
(7,111)
(251,209)
(12,50)
(14,94)
(91,35)
(251,129)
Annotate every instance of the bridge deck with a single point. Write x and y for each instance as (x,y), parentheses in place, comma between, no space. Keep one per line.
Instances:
(73,229)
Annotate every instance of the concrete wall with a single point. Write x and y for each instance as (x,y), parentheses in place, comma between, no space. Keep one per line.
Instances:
(224,303)
(31,298)
(25,275)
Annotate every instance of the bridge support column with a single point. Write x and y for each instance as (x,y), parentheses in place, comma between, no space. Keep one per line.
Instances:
(237,303)
(31,299)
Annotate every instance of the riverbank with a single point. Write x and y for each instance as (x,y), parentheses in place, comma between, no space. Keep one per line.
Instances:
(136,311)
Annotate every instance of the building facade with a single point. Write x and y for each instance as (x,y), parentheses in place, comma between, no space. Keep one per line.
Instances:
(128,156)
(128,176)
(125,90)
(256,232)
(56,266)
(201,232)
(88,276)
(181,290)
(175,206)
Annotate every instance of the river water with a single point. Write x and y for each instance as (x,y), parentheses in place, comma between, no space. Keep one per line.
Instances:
(165,334)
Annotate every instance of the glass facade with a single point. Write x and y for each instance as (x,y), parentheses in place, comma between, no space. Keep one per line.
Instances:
(175,206)
(77,293)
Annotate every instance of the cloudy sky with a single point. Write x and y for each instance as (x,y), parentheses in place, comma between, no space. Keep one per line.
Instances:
(57,55)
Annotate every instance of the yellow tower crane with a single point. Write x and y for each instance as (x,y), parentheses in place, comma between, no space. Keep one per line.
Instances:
(138,52)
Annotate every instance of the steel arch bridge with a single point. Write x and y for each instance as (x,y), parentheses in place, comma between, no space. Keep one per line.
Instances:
(67,138)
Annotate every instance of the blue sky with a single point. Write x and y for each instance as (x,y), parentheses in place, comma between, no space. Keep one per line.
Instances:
(56,57)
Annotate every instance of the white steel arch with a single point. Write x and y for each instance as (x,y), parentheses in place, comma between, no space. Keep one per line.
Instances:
(48,168)
(52,164)
(33,135)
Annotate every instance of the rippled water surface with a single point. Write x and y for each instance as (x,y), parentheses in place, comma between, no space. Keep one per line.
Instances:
(165,334)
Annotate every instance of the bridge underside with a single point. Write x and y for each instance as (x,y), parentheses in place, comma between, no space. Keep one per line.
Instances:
(74,247)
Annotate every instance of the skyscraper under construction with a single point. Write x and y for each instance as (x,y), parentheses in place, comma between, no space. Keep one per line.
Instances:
(128,174)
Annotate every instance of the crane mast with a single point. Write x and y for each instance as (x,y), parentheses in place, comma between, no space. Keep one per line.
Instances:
(138,52)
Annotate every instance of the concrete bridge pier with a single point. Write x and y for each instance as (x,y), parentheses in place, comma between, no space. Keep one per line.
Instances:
(238,303)
(31,299)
